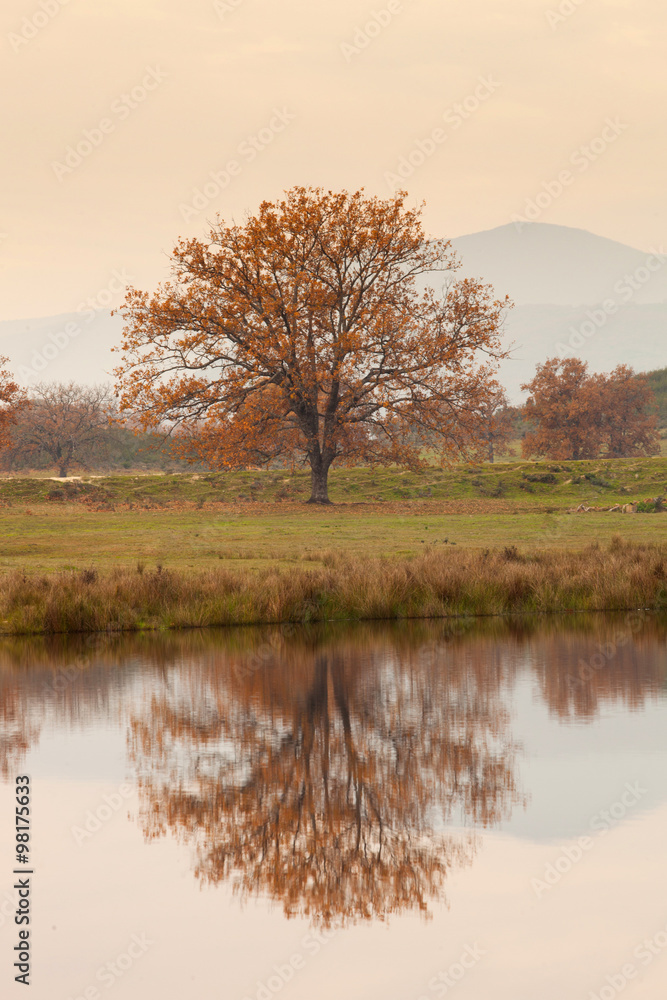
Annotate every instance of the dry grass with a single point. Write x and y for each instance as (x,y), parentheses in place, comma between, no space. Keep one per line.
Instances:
(440,582)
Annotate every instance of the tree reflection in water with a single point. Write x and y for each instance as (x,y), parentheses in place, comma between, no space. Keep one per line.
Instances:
(326,776)
(334,770)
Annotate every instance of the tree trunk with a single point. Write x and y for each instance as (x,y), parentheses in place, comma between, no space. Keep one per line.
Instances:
(319,490)
(62,472)
(320,457)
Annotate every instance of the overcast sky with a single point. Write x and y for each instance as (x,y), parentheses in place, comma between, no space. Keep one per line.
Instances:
(117,111)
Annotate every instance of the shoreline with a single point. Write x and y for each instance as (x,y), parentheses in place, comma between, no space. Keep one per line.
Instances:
(438,584)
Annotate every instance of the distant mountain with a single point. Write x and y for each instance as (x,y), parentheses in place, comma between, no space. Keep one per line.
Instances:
(542,264)
(575,294)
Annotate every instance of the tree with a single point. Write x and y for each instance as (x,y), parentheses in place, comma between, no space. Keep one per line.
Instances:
(12,399)
(497,425)
(565,407)
(304,332)
(630,425)
(657,381)
(580,416)
(64,422)
(325,776)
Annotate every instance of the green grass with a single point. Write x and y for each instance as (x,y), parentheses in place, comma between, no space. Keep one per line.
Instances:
(194,523)
(64,539)
(512,482)
(239,548)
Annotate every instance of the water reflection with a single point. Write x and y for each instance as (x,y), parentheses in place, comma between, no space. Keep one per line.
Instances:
(333,769)
(322,776)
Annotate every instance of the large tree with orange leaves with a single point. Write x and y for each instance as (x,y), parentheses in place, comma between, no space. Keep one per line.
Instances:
(307,331)
(12,399)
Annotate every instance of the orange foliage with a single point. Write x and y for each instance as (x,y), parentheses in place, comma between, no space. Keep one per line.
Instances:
(630,430)
(580,416)
(305,333)
(317,777)
(12,398)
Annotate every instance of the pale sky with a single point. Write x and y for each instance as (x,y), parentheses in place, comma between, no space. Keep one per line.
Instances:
(159,94)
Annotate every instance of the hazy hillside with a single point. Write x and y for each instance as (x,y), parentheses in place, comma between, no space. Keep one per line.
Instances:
(636,336)
(557,265)
(558,277)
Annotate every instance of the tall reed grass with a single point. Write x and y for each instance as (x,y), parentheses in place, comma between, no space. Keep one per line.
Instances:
(436,584)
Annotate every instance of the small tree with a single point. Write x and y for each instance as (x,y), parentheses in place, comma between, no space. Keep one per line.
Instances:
(12,399)
(64,422)
(304,332)
(497,425)
(579,416)
(631,428)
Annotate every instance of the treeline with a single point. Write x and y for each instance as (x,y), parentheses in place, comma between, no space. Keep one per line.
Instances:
(68,428)
(575,414)
(570,413)
(657,381)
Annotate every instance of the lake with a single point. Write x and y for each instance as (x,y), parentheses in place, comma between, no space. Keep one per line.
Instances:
(343,812)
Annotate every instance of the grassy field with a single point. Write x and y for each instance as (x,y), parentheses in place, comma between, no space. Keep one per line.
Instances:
(259,518)
(519,484)
(61,540)
(188,537)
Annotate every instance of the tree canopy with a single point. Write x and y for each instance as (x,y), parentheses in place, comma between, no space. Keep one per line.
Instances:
(578,415)
(308,333)
(68,426)
(657,381)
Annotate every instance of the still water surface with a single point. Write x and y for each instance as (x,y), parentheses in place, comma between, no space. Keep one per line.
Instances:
(377,812)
